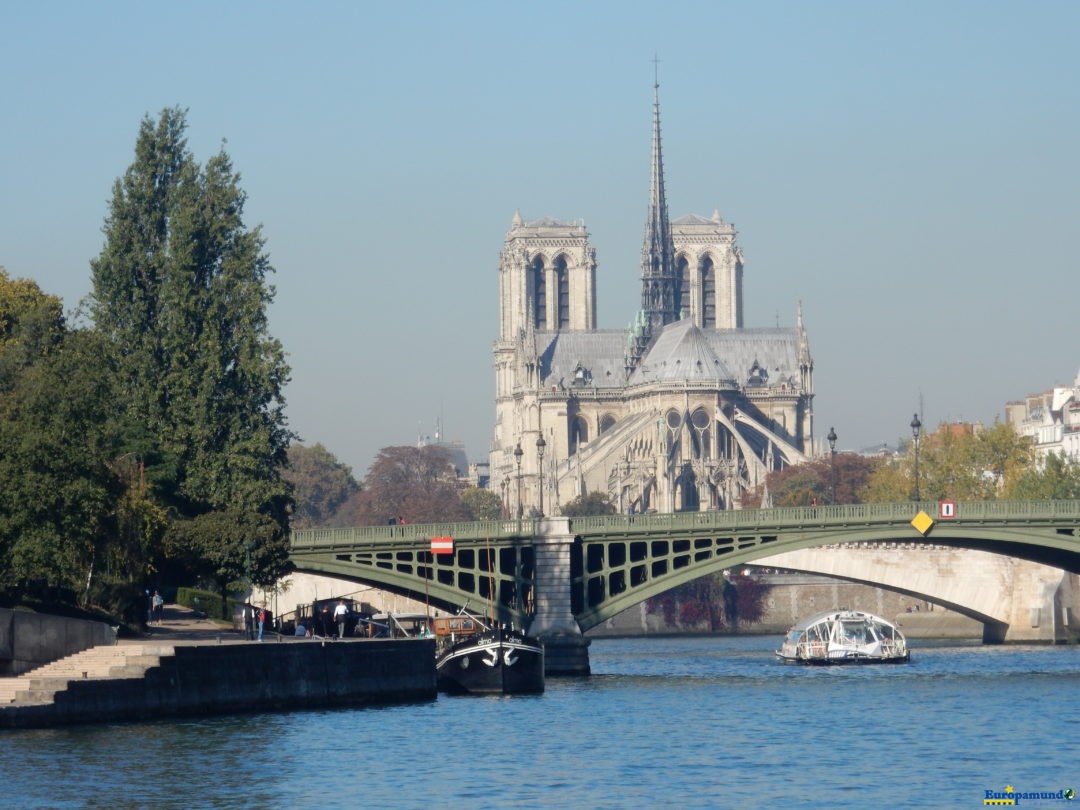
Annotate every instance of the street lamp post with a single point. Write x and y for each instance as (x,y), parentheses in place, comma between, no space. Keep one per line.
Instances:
(518,453)
(541,445)
(916,426)
(832,464)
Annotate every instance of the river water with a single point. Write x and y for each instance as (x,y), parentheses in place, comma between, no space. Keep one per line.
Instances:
(662,723)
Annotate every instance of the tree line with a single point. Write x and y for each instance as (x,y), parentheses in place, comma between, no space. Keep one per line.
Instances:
(143,439)
(960,462)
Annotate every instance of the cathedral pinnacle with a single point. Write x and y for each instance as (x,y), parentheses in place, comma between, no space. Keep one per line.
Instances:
(659,299)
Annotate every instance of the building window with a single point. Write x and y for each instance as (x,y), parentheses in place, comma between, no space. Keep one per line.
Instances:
(708,293)
(539,292)
(562,278)
(579,433)
(683,290)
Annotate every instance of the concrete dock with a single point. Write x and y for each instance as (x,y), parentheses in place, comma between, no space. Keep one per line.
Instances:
(190,666)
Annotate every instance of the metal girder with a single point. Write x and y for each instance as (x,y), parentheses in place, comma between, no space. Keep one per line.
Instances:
(491,568)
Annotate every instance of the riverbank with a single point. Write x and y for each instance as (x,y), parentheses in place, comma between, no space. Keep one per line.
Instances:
(191,666)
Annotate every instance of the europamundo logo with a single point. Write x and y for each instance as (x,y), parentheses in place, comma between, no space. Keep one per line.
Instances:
(1011,797)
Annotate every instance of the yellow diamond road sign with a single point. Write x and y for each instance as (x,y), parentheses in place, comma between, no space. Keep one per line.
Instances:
(922,523)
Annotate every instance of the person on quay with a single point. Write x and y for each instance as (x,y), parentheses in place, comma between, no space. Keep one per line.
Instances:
(262,619)
(339,617)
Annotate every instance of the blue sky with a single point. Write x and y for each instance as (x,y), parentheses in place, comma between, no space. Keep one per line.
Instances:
(909,171)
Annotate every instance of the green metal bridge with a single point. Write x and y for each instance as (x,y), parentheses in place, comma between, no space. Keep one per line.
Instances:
(558,577)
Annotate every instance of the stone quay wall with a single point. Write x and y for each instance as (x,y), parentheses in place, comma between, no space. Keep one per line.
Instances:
(793,597)
(28,640)
(204,679)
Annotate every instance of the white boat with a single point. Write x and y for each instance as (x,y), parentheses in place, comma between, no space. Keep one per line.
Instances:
(844,637)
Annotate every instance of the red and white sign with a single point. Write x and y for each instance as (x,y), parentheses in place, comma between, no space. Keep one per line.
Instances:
(442,545)
(947,509)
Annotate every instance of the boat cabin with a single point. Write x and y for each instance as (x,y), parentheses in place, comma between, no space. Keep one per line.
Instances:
(844,636)
(457,626)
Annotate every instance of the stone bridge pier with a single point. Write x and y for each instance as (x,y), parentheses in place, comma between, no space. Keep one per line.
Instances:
(566,650)
(1015,599)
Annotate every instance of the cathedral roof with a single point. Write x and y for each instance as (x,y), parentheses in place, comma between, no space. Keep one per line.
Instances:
(595,358)
(681,352)
(693,219)
(759,357)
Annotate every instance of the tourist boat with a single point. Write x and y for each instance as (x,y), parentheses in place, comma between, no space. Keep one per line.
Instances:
(844,637)
(476,658)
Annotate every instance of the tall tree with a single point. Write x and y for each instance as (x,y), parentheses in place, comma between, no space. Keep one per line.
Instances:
(180,292)
(417,484)
(321,484)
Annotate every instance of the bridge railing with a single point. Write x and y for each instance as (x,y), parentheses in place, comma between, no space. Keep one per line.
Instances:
(838,515)
(735,520)
(375,535)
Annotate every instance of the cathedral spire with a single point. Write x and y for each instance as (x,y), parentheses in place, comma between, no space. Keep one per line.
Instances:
(659,299)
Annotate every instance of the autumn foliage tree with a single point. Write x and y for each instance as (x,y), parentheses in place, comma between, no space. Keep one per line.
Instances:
(810,483)
(712,603)
(417,484)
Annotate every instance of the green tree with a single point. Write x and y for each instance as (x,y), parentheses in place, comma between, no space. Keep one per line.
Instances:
(180,293)
(591,503)
(31,325)
(320,483)
(1057,480)
(482,504)
(57,441)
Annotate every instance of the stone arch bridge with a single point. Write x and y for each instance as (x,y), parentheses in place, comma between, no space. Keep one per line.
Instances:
(558,577)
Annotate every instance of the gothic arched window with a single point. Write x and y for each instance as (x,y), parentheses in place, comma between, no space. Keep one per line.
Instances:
(562,284)
(707,271)
(607,421)
(539,293)
(699,436)
(579,433)
(683,287)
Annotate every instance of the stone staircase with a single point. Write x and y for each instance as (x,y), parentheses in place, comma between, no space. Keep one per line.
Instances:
(97,663)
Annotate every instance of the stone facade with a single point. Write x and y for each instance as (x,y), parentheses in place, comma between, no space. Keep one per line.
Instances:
(682,411)
(1051,420)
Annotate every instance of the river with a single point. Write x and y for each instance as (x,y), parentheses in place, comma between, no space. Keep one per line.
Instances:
(713,722)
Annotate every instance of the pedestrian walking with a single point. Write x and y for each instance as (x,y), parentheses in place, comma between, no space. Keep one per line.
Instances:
(262,620)
(159,608)
(340,612)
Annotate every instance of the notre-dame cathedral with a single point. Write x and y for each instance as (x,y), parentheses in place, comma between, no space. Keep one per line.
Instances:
(683,411)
